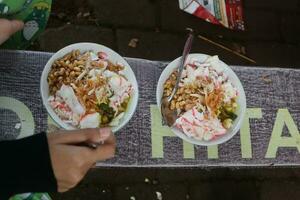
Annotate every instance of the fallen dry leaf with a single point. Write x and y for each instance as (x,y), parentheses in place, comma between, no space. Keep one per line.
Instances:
(79,15)
(87,14)
(266,79)
(158,195)
(147,180)
(133,42)
(132,198)
(61,15)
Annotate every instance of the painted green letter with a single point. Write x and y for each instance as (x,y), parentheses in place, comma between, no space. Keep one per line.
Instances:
(283,117)
(246,147)
(24,114)
(159,132)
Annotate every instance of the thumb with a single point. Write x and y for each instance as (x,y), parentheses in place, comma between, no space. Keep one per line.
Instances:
(105,151)
(8,28)
(15,26)
(92,135)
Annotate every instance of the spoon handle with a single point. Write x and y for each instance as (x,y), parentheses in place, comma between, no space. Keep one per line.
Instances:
(186,51)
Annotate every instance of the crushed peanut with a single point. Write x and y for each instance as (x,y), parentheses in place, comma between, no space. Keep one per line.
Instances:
(71,70)
(185,97)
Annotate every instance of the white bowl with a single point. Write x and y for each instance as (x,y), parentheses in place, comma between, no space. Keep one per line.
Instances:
(113,57)
(241,101)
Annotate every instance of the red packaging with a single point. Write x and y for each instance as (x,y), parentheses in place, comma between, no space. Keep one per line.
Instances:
(228,13)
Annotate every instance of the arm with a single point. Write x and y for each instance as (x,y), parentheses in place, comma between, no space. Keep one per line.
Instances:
(52,162)
(26,166)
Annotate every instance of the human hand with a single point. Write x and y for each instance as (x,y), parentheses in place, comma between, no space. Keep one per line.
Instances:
(71,162)
(8,28)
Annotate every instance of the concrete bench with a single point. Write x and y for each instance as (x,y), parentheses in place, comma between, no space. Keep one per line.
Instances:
(269,135)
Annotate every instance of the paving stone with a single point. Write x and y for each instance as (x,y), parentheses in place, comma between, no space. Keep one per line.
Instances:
(261,25)
(263,174)
(166,176)
(134,13)
(172,191)
(295,55)
(150,45)
(290,28)
(224,190)
(150,192)
(56,38)
(190,175)
(133,192)
(138,175)
(119,175)
(229,58)
(85,191)
(77,12)
(291,5)
(173,184)
(273,54)
(279,190)
(193,175)
(54,22)
(166,46)
(68,6)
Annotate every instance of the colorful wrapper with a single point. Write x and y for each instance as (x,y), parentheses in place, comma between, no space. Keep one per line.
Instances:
(228,13)
(34,14)
(31,196)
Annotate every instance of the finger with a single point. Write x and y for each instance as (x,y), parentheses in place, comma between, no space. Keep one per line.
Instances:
(110,139)
(95,135)
(103,152)
(63,189)
(106,135)
(15,26)
(8,28)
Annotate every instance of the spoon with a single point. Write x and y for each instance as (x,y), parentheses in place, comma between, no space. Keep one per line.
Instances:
(169,116)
